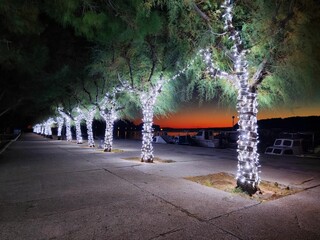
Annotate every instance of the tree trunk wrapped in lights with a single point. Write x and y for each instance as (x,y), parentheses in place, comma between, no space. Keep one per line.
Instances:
(42,129)
(148,100)
(47,126)
(68,124)
(108,113)
(77,121)
(60,122)
(37,128)
(89,116)
(248,158)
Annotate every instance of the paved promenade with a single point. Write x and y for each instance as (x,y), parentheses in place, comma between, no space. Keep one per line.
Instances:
(53,189)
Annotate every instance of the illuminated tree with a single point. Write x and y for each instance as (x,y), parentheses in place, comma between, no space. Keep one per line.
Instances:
(148,100)
(77,120)
(248,157)
(88,115)
(37,128)
(60,122)
(68,119)
(47,127)
(253,56)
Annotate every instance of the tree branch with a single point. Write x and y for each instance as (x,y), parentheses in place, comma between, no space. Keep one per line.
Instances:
(202,14)
(154,60)
(97,90)
(130,71)
(87,92)
(259,74)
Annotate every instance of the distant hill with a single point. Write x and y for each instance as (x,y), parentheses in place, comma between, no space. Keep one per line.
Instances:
(293,124)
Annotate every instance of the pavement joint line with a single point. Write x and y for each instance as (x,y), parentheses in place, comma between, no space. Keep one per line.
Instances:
(224,230)
(166,233)
(308,188)
(157,196)
(305,181)
(234,211)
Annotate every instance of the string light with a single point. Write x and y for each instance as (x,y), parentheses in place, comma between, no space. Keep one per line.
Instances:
(68,123)
(60,122)
(148,100)
(247,107)
(77,121)
(88,115)
(47,127)
(37,128)
(108,113)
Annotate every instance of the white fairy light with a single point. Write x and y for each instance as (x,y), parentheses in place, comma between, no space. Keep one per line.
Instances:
(37,128)
(47,127)
(108,113)
(89,116)
(60,122)
(68,124)
(247,107)
(148,100)
(77,121)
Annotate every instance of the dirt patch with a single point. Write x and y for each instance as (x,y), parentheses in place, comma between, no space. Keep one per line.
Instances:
(114,150)
(226,182)
(155,160)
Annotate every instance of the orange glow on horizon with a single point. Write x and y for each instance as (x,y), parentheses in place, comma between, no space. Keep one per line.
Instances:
(207,117)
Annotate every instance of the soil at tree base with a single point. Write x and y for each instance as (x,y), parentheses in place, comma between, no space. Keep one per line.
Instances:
(227,182)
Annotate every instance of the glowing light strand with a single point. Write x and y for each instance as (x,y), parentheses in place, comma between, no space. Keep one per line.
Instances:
(89,116)
(68,123)
(148,100)
(60,122)
(47,127)
(248,158)
(108,113)
(77,121)
(37,128)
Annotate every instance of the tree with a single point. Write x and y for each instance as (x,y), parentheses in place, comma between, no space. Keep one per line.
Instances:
(60,122)
(78,116)
(67,118)
(260,61)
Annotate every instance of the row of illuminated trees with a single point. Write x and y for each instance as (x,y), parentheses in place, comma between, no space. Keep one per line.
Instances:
(148,54)
(109,109)
(147,65)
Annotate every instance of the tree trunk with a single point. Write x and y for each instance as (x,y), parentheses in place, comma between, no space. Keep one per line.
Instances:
(42,129)
(68,129)
(78,129)
(89,116)
(248,158)
(148,102)
(109,118)
(60,125)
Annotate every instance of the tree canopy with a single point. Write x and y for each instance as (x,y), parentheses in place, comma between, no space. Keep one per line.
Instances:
(49,49)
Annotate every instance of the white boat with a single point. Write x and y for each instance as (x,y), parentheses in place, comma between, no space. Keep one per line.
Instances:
(285,146)
(210,138)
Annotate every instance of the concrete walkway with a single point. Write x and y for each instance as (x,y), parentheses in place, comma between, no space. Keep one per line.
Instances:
(53,189)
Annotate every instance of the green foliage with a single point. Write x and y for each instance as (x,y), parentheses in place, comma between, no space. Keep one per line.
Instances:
(47,45)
